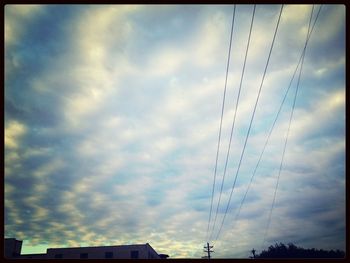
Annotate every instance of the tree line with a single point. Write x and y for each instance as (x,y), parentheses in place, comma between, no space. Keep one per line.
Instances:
(292,251)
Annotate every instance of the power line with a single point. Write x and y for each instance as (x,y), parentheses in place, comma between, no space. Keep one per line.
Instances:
(251,121)
(273,125)
(267,140)
(233,122)
(288,130)
(222,113)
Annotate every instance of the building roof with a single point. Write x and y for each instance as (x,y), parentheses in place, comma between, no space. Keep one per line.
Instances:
(113,246)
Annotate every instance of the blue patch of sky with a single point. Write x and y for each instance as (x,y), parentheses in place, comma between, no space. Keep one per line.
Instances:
(34,53)
(40,113)
(153,35)
(51,32)
(123,176)
(167,169)
(337,47)
(25,105)
(155,196)
(199,205)
(306,209)
(333,130)
(338,165)
(22,180)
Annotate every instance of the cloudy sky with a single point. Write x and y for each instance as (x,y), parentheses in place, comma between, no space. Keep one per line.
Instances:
(112,116)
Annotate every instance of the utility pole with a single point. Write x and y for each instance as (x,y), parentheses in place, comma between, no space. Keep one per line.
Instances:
(253,252)
(208,250)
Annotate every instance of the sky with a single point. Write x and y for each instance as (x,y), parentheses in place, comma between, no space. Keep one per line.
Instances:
(112,116)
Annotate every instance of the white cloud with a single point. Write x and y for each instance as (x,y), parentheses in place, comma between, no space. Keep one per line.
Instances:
(209,42)
(166,62)
(14,130)
(139,114)
(93,78)
(49,168)
(324,111)
(295,13)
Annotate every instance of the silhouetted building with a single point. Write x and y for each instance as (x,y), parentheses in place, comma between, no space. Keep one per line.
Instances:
(36,256)
(141,251)
(12,248)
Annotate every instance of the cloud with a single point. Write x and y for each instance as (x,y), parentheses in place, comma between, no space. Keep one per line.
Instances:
(112,120)
(331,22)
(16,16)
(49,168)
(13,132)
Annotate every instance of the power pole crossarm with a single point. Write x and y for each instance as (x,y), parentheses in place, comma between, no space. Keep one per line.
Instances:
(208,250)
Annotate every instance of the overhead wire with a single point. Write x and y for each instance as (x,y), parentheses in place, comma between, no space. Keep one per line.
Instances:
(251,121)
(222,113)
(275,120)
(233,122)
(287,135)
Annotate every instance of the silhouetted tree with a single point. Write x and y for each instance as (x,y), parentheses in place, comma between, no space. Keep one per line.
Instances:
(291,251)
